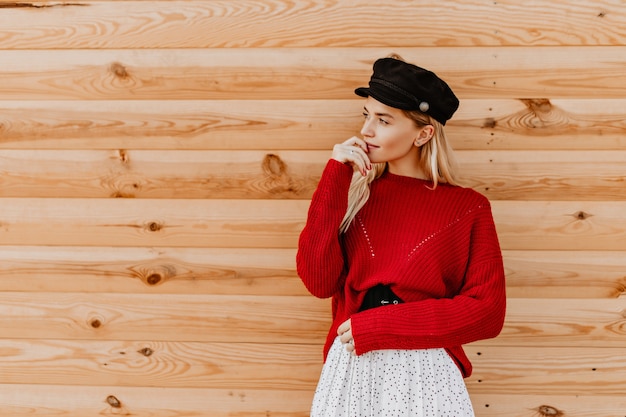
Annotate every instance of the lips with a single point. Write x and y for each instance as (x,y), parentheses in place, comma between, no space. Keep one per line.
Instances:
(370,146)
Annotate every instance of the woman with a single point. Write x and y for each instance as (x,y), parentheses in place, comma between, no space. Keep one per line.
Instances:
(410,258)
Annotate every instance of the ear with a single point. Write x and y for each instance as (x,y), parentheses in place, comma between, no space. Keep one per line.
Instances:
(425,134)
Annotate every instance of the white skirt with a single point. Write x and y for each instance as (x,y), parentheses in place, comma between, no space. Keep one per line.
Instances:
(390,383)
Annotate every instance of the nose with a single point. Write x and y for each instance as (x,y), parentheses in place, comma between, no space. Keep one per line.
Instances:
(366,129)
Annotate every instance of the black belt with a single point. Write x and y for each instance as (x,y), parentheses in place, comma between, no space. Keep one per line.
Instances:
(379,296)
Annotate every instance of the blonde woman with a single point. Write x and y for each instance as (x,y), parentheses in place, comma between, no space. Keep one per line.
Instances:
(410,258)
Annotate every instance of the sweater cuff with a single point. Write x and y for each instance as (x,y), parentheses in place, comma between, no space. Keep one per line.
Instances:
(335,184)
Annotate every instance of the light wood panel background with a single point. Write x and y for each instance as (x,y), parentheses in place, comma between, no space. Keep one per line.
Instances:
(156,163)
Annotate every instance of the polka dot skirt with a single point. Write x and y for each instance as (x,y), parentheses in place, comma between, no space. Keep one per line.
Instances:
(390,383)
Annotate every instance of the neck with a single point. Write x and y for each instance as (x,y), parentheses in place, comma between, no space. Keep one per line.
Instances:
(412,171)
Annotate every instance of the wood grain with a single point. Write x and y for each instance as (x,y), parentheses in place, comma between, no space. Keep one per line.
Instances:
(568,370)
(561,225)
(497,370)
(240,271)
(565,274)
(538,124)
(168,174)
(193,174)
(571,323)
(326,73)
(152,223)
(267,319)
(522,225)
(281,367)
(178,124)
(80,401)
(548,175)
(253,23)
(545,405)
(479,124)
(265,271)
(208,318)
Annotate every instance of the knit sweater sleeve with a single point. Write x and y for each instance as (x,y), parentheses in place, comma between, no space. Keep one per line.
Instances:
(319,260)
(475,313)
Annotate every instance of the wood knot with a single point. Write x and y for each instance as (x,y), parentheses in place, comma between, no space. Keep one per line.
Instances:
(273,165)
(154,226)
(538,105)
(154,279)
(114,402)
(546,410)
(490,123)
(121,194)
(277,180)
(581,215)
(146,351)
(95,323)
(155,274)
(124,158)
(119,70)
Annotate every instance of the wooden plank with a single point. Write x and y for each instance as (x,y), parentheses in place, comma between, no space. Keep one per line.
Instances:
(267,319)
(18,400)
(253,23)
(172,364)
(497,370)
(546,404)
(562,274)
(160,317)
(534,322)
(538,124)
(191,174)
(152,223)
(179,124)
(566,371)
(305,74)
(161,174)
(79,401)
(263,271)
(527,225)
(217,271)
(546,175)
(561,225)
(479,124)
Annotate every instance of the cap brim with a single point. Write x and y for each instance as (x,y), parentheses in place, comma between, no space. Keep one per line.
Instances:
(362,92)
(387,99)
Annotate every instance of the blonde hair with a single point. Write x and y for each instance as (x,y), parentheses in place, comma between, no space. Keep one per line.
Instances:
(435,159)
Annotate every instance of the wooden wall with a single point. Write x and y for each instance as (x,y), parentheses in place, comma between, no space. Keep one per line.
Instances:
(156,163)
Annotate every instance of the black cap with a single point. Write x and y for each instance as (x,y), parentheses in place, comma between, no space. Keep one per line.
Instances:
(408,87)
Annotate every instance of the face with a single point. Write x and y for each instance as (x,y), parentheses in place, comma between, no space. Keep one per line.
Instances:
(390,137)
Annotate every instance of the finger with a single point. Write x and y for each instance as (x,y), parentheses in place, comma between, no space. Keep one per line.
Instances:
(346,337)
(344,327)
(360,148)
(355,141)
(352,156)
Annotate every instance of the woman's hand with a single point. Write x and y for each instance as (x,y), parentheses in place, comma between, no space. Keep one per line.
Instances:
(353,152)
(345,336)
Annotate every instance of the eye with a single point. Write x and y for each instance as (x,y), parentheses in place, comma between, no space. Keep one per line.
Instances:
(383,122)
(365,115)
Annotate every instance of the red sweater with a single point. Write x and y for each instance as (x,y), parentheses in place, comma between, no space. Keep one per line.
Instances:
(437,249)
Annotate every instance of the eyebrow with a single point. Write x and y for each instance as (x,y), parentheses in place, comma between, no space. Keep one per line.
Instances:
(380,114)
